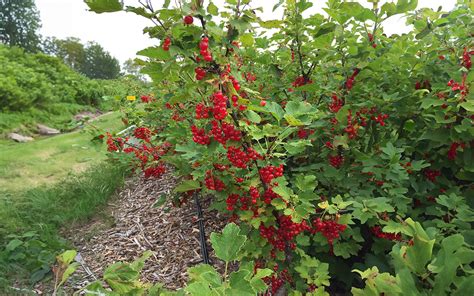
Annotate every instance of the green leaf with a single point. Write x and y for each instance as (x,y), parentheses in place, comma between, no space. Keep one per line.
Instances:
(406,5)
(253,116)
(325,29)
(68,272)
(228,244)
(239,285)
(423,33)
(96,288)
(66,257)
(297,147)
(278,203)
(100,6)
(283,190)
(155,52)
(247,39)
(119,276)
(306,182)
(276,110)
(296,108)
(198,289)
(407,283)
(139,263)
(465,287)
(13,244)
(212,9)
(139,11)
(313,270)
(446,263)
(271,24)
(469,106)
(160,201)
(356,10)
(293,121)
(341,115)
(303,240)
(257,283)
(206,274)
(389,8)
(188,185)
(346,249)
(419,254)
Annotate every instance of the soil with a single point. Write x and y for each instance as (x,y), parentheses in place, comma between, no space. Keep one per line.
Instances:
(131,224)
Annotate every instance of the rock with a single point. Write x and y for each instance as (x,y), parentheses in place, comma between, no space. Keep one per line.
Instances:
(19,138)
(84,115)
(44,130)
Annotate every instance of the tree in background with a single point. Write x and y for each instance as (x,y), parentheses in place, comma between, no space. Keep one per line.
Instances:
(91,59)
(70,50)
(133,67)
(19,24)
(98,63)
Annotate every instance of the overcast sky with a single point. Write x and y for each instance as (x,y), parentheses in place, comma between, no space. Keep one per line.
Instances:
(121,33)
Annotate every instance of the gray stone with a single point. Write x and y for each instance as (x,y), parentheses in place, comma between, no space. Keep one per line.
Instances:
(45,130)
(19,138)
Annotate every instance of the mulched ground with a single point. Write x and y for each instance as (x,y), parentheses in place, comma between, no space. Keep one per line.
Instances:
(131,225)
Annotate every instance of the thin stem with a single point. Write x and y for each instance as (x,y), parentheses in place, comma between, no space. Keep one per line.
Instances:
(225,270)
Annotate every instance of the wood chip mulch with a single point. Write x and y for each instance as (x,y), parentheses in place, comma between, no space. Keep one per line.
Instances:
(131,225)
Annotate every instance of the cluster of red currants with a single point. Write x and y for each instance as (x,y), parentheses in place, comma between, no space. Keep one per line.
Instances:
(270,172)
(200,73)
(225,132)
(276,281)
(284,235)
(377,231)
(254,194)
(350,80)
(235,103)
(380,119)
(371,40)
(466,58)
(155,171)
(269,195)
(204,49)
(336,104)
(432,175)
(300,81)
(202,111)
(166,44)
(114,144)
(213,183)
(330,229)
(235,83)
(453,150)
(336,160)
(142,133)
(233,199)
(219,109)
(199,136)
(240,158)
(146,99)
(350,129)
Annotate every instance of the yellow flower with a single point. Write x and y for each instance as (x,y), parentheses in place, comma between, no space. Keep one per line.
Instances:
(131,98)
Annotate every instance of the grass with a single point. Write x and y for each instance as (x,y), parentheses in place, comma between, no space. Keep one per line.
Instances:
(46,160)
(47,185)
(30,232)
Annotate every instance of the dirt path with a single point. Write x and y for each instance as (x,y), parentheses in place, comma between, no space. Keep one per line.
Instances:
(131,225)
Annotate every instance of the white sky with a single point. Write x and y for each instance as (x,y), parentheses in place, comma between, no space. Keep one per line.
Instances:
(121,34)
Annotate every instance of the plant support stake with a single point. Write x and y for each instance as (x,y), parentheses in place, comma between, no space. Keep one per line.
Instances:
(202,233)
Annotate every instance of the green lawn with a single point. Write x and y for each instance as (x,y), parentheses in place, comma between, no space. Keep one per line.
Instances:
(46,160)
